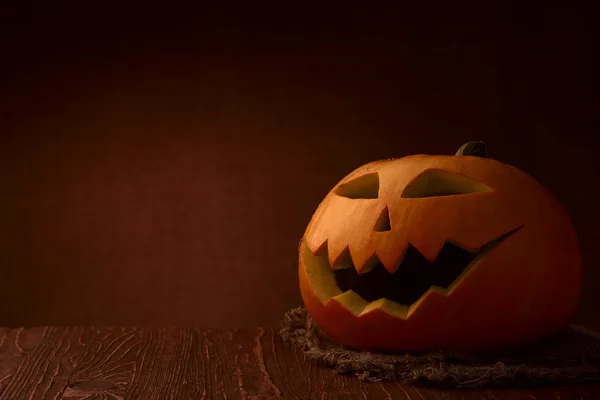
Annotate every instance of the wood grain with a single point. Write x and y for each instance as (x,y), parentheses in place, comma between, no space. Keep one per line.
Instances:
(141,363)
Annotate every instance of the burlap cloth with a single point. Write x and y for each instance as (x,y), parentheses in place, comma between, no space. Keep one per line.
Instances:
(570,356)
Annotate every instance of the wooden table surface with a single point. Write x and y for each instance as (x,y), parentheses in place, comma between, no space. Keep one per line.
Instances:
(144,363)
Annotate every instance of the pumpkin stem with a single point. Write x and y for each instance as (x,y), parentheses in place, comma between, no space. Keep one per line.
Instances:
(475,148)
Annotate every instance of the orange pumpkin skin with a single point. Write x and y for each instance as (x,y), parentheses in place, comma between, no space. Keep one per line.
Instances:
(524,289)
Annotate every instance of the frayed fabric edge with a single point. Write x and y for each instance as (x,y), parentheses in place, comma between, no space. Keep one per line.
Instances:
(571,356)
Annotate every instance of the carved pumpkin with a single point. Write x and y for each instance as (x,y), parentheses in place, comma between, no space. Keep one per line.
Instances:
(439,252)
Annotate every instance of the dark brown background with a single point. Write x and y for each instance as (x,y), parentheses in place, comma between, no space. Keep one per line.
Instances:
(159,167)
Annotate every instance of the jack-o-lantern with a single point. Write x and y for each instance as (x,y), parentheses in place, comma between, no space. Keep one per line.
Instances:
(446,252)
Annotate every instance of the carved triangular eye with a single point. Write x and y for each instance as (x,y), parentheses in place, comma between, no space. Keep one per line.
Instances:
(363,187)
(435,182)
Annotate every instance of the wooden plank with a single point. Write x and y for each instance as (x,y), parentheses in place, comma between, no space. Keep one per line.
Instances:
(142,363)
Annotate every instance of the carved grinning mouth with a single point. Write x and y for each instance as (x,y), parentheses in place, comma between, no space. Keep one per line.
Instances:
(415,274)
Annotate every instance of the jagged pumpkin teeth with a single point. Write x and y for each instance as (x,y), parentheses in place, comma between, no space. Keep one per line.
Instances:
(427,252)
